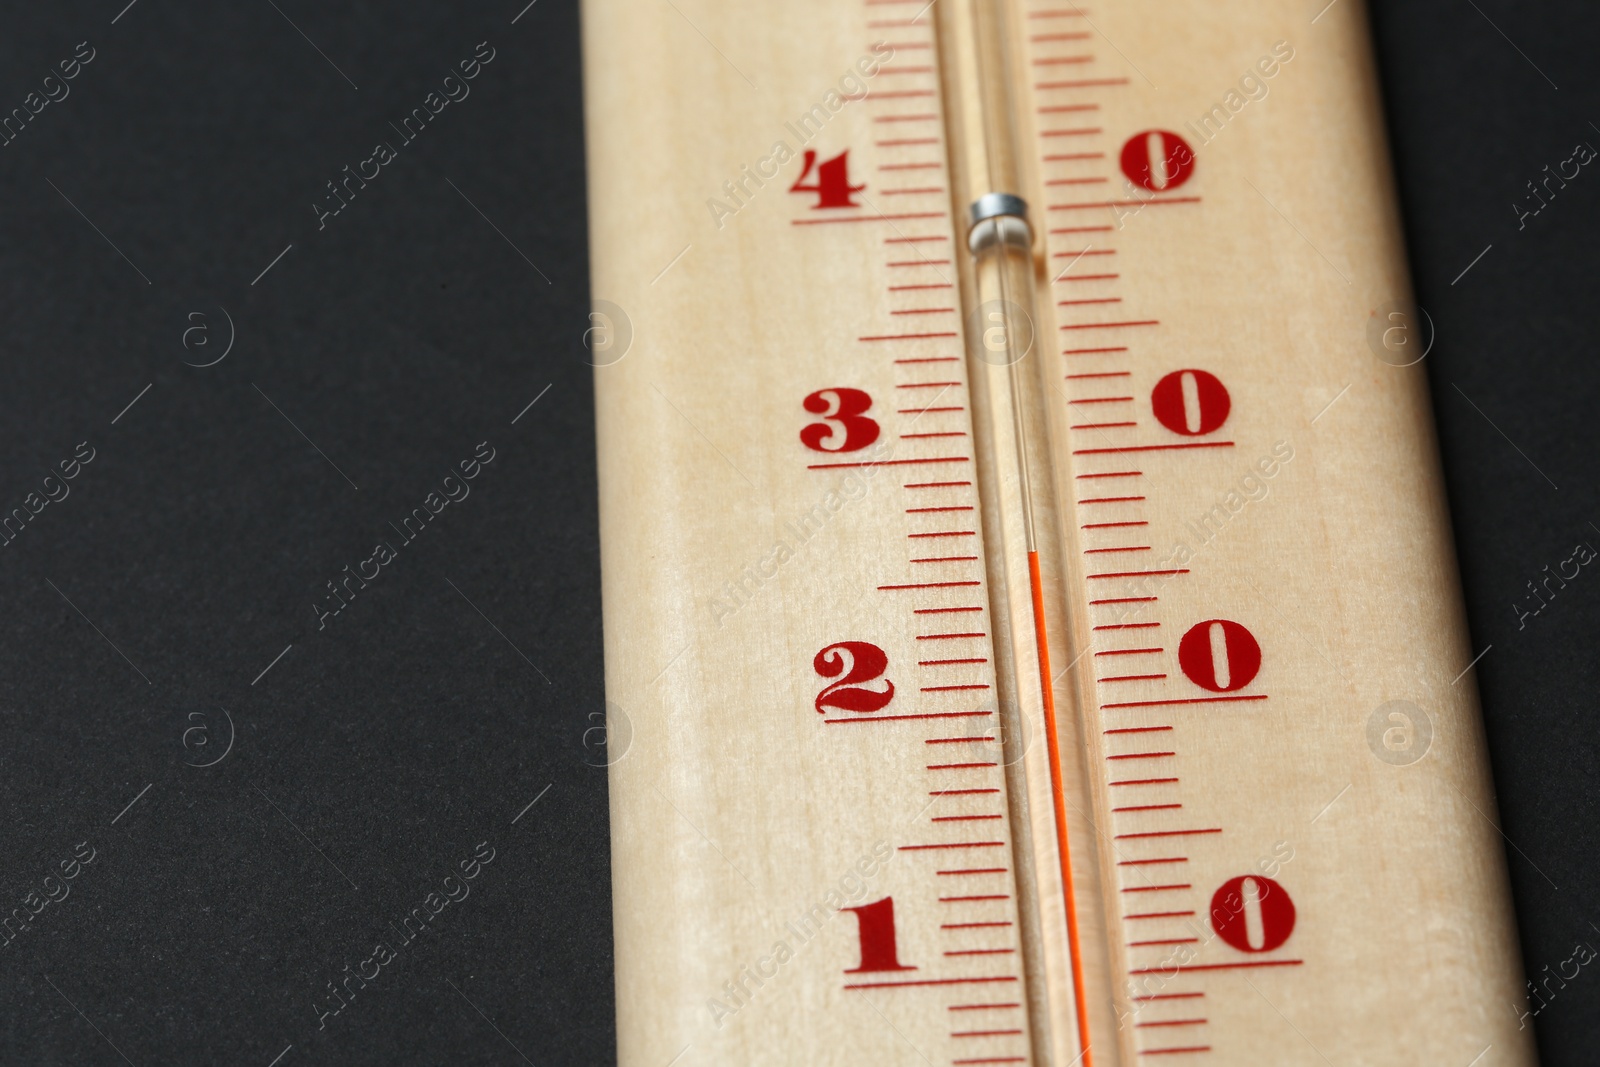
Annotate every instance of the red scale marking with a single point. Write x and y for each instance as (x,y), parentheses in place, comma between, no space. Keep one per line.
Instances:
(1165,941)
(1162,1051)
(923,175)
(1081,83)
(1072,103)
(984,1007)
(1072,242)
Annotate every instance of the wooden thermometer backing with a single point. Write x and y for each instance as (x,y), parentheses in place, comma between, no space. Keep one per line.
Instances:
(1049,653)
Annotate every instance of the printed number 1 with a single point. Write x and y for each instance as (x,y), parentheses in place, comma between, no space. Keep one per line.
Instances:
(832,185)
(877,938)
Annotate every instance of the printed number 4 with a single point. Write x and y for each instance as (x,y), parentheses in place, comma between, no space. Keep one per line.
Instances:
(832,184)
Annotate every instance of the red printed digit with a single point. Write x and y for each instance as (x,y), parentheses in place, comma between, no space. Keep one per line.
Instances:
(832,185)
(1219,655)
(843,427)
(877,938)
(1157,160)
(1252,913)
(1190,402)
(858,662)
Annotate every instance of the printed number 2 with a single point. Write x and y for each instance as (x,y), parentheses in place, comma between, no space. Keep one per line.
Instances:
(832,186)
(841,409)
(857,662)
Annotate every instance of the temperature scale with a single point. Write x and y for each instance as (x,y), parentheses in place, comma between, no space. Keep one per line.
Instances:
(1032,627)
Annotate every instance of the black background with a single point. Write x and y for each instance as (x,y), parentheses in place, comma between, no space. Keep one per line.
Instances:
(382,748)
(1472,120)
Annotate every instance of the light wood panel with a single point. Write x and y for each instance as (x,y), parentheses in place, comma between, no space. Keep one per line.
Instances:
(743,820)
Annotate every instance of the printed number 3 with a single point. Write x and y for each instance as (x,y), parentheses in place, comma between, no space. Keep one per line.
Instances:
(844,427)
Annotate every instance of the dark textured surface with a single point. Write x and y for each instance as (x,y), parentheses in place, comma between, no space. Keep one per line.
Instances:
(379,752)
(1475,114)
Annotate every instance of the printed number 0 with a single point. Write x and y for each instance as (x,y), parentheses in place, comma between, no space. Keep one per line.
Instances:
(1190,402)
(1157,160)
(857,662)
(1249,909)
(843,412)
(1219,655)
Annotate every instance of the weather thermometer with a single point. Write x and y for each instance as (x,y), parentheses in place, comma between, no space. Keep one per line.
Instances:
(1029,598)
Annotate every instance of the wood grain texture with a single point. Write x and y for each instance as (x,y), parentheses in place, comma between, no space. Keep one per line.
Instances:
(743,820)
